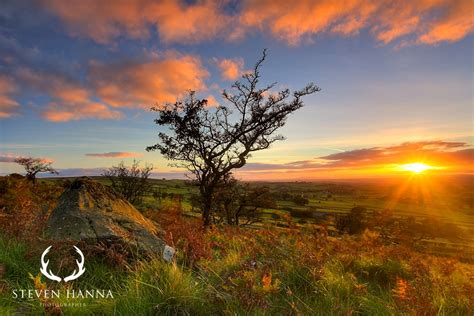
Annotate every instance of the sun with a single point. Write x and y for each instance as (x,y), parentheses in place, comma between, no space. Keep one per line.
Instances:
(416,167)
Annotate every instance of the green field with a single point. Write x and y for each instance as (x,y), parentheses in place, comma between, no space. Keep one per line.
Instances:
(329,200)
(282,265)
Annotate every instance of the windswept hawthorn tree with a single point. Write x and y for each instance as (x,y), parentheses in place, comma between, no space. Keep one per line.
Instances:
(33,166)
(211,142)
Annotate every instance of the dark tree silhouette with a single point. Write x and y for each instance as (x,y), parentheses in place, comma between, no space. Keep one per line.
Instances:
(237,204)
(130,181)
(211,142)
(33,166)
(354,222)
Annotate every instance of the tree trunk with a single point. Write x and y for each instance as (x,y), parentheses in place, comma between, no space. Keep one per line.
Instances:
(206,195)
(31,177)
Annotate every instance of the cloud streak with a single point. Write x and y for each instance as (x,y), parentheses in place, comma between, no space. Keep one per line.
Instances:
(8,106)
(428,22)
(142,84)
(457,156)
(8,158)
(105,88)
(95,89)
(69,99)
(418,21)
(94,172)
(116,154)
(106,20)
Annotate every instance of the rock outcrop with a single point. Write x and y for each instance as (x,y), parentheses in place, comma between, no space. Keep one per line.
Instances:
(94,213)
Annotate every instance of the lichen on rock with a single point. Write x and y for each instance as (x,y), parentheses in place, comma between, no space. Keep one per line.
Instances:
(94,213)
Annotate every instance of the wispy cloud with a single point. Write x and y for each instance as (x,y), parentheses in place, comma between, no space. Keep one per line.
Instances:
(459,156)
(427,22)
(8,106)
(8,157)
(417,21)
(99,89)
(116,154)
(435,152)
(91,172)
(70,100)
(145,83)
(142,83)
(175,21)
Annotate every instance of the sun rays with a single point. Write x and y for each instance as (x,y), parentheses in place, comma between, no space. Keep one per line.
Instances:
(416,167)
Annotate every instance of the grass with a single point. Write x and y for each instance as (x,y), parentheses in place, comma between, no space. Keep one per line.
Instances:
(262,273)
(156,287)
(236,271)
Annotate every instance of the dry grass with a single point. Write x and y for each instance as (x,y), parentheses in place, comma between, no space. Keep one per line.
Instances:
(229,270)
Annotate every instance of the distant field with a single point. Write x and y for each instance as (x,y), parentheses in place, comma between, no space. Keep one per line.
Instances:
(330,199)
(455,206)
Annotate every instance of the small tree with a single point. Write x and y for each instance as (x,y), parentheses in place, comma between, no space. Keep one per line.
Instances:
(131,182)
(237,204)
(354,222)
(300,200)
(33,166)
(211,142)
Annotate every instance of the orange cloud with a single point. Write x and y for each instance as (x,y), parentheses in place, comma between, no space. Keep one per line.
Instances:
(456,156)
(425,21)
(291,21)
(116,154)
(58,86)
(8,106)
(64,112)
(71,101)
(162,78)
(454,25)
(143,84)
(177,22)
(231,69)
(429,21)
(11,158)
(211,101)
(103,21)
(8,157)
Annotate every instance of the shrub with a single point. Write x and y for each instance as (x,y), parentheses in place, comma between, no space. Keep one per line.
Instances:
(300,200)
(352,223)
(130,182)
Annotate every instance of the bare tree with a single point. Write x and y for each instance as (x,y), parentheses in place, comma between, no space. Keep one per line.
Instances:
(131,182)
(211,143)
(33,166)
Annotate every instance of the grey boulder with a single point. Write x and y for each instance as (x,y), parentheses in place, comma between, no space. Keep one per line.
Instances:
(94,213)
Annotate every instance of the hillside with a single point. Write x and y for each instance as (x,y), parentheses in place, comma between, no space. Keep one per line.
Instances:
(262,269)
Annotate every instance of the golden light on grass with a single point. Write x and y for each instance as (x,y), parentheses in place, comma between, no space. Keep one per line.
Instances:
(416,167)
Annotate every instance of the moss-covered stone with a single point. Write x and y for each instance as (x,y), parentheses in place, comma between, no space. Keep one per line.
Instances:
(92,212)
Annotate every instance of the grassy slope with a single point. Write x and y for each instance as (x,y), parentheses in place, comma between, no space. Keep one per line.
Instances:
(241,271)
(265,272)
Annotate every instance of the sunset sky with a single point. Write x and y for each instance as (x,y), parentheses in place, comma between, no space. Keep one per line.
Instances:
(77,79)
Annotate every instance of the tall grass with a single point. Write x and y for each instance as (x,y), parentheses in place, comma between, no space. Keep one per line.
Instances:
(156,287)
(234,271)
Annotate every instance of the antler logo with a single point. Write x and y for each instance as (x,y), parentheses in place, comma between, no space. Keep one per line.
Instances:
(76,274)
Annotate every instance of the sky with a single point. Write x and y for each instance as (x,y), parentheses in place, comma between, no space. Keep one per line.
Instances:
(77,80)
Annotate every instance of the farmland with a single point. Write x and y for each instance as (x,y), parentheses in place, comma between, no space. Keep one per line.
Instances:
(440,225)
(290,262)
